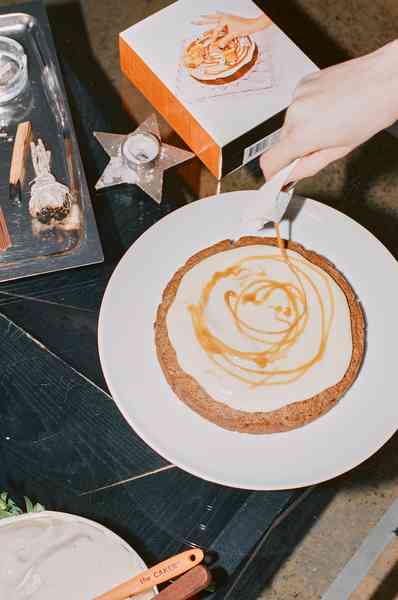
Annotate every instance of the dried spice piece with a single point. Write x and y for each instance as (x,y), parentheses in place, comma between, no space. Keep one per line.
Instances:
(50,200)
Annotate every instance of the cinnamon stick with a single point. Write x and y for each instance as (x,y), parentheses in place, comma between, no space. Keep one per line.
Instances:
(21,144)
(17,169)
(5,239)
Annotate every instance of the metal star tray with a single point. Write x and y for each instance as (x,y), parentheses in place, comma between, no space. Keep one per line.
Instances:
(48,239)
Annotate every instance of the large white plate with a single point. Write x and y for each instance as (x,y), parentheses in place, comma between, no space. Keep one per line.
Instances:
(364,419)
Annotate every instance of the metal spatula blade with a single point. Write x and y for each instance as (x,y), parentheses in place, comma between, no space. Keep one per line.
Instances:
(269,204)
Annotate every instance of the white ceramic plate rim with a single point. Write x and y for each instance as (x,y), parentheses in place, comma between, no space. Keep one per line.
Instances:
(189,217)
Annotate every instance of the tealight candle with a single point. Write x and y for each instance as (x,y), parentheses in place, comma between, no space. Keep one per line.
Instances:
(140,148)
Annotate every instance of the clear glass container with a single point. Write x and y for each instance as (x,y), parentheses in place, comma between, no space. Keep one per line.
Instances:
(13,69)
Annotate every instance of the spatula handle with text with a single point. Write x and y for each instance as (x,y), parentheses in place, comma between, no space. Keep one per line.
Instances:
(168,569)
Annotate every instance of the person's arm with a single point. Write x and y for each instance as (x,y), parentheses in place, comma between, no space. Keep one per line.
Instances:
(232,26)
(335,110)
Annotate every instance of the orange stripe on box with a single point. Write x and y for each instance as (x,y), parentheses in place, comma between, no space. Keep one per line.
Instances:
(170,108)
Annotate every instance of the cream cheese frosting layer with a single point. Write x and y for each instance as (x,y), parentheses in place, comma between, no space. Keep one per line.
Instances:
(60,557)
(269,297)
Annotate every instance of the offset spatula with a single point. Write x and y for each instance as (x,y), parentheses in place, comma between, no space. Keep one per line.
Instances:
(269,203)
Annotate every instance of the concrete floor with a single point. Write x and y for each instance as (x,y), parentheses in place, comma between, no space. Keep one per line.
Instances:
(364,185)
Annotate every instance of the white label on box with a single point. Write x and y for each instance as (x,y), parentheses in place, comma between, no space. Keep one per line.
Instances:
(259,147)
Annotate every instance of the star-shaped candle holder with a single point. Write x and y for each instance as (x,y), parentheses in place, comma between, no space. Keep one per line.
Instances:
(140,158)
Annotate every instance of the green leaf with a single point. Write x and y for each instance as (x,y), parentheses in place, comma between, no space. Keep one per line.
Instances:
(9,508)
(29,504)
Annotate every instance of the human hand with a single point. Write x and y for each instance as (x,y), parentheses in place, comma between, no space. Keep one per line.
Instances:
(335,110)
(226,27)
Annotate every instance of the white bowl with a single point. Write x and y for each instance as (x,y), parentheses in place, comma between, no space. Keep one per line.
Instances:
(53,555)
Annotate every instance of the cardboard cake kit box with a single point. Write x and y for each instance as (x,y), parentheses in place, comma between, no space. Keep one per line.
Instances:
(227,101)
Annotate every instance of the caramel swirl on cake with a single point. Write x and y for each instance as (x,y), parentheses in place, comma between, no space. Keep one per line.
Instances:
(284,317)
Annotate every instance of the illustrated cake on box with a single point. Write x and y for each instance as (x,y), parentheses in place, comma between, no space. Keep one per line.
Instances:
(220,72)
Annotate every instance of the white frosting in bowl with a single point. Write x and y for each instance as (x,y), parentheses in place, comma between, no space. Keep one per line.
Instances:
(280,390)
(55,556)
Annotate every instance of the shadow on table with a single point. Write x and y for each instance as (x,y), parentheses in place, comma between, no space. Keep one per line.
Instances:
(368,191)
(281,543)
(381,468)
(283,540)
(304,31)
(74,48)
(373,162)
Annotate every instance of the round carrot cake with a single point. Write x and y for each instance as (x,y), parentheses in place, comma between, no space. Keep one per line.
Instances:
(257,338)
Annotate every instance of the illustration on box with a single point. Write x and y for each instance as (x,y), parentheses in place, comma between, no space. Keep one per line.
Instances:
(230,57)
